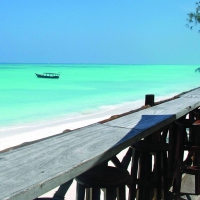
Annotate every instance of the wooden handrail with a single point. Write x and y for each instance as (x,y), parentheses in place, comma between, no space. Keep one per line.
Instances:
(32,170)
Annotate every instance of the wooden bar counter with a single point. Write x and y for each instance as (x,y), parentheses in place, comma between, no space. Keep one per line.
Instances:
(32,170)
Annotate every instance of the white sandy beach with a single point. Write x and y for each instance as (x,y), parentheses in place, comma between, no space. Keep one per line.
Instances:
(13,137)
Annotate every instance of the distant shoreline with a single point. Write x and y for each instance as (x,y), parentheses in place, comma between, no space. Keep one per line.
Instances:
(30,134)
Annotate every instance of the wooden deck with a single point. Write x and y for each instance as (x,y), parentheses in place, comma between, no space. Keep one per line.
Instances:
(30,171)
(187,189)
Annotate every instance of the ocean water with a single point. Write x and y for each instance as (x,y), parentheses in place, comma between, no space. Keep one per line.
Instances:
(83,89)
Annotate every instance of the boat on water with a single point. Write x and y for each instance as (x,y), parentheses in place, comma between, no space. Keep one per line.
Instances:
(48,75)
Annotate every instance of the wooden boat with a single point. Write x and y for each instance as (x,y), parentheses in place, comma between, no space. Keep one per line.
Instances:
(48,75)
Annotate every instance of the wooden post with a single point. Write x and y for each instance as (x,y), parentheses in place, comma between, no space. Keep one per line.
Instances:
(149,99)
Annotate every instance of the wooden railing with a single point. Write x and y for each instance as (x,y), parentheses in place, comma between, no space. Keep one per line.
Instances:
(32,170)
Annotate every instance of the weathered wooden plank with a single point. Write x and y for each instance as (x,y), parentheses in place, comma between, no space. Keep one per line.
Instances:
(192,94)
(37,168)
(159,115)
(32,170)
(41,166)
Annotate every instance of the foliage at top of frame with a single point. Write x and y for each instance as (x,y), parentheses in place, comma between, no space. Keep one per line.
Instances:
(194,17)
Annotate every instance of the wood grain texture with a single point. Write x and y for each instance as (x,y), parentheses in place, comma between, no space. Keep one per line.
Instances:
(192,94)
(30,171)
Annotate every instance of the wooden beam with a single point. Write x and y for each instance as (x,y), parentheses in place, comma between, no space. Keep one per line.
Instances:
(30,171)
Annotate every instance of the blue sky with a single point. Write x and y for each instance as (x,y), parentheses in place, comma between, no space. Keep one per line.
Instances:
(106,31)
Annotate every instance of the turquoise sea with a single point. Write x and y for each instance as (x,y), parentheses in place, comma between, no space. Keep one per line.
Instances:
(83,89)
